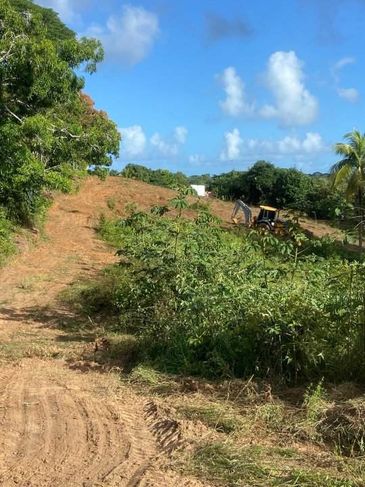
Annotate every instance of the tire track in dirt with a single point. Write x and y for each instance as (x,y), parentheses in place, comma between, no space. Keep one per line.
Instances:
(60,427)
(56,435)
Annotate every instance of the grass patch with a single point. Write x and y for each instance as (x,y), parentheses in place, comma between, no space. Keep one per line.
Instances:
(28,283)
(111,202)
(109,230)
(43,349)
(302,478)
(343,426)
(224,464)
(119,350)
(220,417)
(272,415)
(96,296)
(146,377)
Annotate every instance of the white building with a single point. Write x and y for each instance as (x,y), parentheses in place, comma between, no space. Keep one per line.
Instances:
(200,189)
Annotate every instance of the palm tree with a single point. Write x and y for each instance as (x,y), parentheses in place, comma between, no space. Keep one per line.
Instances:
(349,172)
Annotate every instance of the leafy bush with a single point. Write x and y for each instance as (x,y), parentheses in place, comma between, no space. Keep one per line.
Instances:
(207,301)
(314,402)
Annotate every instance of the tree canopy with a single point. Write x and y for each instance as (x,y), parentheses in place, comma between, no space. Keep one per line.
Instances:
(56,30)
(262,183)
(349,172)
(159,177)
(49,130)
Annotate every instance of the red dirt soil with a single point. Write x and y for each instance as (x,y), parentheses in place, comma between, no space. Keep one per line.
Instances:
(61,426)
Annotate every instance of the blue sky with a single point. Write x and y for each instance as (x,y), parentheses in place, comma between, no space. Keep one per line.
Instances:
(209,86)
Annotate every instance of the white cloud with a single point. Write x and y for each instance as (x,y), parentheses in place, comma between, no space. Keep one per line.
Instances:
(236,102)
(349,94)
(313,142)
(233,144)
(136,144)
(130,36)
(165,148)
(344,62)
(133,140)
(288,145)
(294,104)
(181,134)
(171,146)
(237,148)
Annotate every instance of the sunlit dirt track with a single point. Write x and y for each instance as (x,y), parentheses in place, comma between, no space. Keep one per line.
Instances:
(60,426)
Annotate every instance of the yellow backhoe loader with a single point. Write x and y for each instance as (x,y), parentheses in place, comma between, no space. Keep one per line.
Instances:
(267,219)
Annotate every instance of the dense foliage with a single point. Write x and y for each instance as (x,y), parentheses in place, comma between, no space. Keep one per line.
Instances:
(159,177)
(205,300)
(349,173)
(56,30)
(262,183)
(49,131)
(284,188)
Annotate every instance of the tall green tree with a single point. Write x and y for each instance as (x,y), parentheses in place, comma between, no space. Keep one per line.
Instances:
(259,182)
(349,173)
(228,186)
(50,131)
(291,189)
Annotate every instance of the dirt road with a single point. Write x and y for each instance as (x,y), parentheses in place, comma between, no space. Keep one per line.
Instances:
(61,426)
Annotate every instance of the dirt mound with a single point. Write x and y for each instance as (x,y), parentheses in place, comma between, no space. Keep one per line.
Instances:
(343,425)
(166,430)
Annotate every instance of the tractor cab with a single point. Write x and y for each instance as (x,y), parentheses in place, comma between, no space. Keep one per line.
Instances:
(268,218)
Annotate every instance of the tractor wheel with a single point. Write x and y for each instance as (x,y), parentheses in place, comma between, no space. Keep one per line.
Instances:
(264,227)
(281,231)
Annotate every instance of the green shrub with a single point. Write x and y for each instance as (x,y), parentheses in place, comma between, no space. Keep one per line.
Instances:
(206,301)
(314,402)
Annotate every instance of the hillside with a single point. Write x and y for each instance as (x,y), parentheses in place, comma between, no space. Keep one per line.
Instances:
(59,426)
(67,418)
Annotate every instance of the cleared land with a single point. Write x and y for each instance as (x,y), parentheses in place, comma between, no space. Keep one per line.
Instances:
(60,425)
(67,420)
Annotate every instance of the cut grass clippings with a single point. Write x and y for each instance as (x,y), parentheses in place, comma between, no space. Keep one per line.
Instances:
(224,464)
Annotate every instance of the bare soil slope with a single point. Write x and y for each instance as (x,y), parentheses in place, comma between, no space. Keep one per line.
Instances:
(60,426)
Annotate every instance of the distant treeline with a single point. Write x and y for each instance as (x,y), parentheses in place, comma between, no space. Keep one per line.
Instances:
(262,183)
(159,177)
